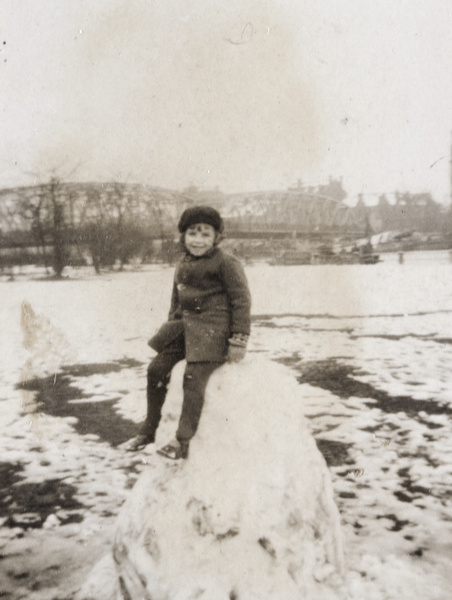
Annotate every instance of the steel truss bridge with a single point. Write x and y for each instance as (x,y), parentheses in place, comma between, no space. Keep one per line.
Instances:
(256,214)
(291,211)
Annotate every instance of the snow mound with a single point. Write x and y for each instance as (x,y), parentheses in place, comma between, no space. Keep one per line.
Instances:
(47,346)
(250,515)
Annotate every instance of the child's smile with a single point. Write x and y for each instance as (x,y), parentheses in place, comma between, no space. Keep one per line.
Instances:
(199,238)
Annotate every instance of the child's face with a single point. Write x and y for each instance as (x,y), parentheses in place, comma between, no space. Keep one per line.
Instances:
(199,238)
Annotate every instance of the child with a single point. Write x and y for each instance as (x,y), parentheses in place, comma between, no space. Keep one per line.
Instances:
(209,323)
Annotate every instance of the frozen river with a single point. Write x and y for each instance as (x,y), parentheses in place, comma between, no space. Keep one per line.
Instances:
(370,344)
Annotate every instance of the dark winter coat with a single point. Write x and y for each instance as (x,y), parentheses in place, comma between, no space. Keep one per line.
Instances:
(210,302)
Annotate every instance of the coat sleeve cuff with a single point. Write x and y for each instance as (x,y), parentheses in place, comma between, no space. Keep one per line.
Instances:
(239,339)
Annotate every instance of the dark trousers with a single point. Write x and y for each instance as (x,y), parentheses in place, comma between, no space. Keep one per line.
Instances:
(195,381)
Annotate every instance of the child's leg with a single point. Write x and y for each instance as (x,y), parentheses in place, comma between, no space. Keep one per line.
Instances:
(195,382)
(158,376)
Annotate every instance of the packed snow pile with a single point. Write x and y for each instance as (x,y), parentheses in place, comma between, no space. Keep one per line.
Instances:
(250,515)
(47,346)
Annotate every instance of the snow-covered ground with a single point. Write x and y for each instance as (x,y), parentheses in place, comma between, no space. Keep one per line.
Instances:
(369,345)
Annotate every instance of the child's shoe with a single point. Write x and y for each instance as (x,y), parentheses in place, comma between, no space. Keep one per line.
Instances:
(175,450)
(139,442)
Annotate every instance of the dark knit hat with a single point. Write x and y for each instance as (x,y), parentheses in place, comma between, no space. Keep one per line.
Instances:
(200,214)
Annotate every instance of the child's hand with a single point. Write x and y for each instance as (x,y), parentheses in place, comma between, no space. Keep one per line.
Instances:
(236,353)
(237,347)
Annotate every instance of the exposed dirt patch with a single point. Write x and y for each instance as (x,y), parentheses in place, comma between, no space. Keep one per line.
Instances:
(411,491)
(29,504)
(335,453)
(54,396)
(398,523)
(86,370)
(339,379)
(393,337)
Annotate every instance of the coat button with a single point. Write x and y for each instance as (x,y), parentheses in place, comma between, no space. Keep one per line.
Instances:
(181,286)
(185,312)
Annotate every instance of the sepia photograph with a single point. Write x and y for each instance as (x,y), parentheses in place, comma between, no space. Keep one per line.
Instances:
(226,300)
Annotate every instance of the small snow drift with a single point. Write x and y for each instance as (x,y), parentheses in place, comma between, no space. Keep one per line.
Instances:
(250,515)
(47,346)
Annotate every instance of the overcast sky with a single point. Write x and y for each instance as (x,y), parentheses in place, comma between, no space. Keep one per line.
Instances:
(244,94)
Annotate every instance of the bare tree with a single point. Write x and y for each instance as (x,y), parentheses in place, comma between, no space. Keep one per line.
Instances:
(34,210)
(110,225)
(47,210)
(58,227)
